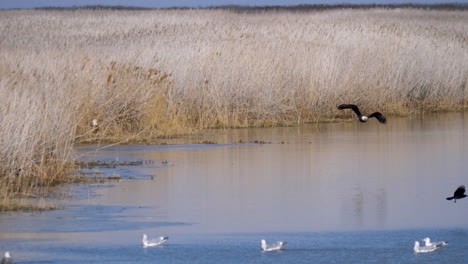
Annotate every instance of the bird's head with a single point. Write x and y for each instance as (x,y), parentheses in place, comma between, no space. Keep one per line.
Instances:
(145,238)
(263,243)
(364,118)
(7,255)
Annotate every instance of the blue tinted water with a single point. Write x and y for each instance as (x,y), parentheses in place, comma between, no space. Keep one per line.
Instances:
(321,247)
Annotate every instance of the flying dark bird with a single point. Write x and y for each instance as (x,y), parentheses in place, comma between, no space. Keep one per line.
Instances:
(363,118)
(458,194)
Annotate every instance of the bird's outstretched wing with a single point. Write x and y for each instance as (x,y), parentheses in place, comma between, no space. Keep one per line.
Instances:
(351,106)
(440,243)
(158,240)
(460,191)
(379,117)
(278,244)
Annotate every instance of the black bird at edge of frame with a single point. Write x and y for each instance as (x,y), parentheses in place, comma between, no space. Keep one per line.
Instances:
(458,194)
(361,117)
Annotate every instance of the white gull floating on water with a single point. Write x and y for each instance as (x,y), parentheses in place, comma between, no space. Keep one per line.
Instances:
(423,249)
(272,247)
(153,242)
(437,244)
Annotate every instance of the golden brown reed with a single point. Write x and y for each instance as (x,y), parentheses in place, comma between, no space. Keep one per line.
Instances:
(159,73)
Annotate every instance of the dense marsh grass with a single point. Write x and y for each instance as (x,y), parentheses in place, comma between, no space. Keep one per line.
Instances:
(156,73)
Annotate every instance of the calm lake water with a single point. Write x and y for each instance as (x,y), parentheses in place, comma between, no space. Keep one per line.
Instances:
(337,193)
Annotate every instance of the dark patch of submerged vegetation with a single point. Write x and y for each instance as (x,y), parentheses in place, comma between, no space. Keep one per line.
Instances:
(208,142)
(112,164)
(257,141)
(18,205)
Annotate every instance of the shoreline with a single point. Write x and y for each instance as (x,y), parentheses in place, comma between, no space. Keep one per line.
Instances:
(71,77)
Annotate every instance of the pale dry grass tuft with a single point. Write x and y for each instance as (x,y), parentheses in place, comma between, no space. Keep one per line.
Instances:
(149,74)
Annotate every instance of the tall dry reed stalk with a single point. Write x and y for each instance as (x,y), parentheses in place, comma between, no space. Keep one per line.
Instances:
(147,74)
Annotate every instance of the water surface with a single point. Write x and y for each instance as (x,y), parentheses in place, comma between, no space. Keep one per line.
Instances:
(338,193)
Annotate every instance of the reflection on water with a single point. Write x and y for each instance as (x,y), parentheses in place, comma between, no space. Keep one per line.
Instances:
(343,176)
(320,178)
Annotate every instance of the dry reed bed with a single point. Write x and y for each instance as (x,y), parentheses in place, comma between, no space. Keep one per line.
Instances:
(147,74)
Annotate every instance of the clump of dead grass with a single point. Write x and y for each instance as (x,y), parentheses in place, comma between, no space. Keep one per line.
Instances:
(43,118)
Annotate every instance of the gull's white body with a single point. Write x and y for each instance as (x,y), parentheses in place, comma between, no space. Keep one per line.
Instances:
(272,247)
(153,242)
(423,249)
(428,242)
